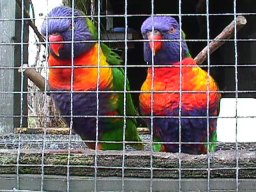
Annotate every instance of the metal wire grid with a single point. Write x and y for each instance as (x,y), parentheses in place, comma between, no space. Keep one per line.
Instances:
(71,139)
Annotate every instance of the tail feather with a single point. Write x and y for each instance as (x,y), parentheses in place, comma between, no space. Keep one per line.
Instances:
(213,142)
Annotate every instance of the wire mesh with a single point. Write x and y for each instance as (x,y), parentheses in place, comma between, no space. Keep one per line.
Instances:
(43,152)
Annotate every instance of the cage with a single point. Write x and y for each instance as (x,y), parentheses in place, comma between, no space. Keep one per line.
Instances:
(40,150)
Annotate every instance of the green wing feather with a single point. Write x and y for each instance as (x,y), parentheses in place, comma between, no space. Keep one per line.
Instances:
(131,123)
(112,57)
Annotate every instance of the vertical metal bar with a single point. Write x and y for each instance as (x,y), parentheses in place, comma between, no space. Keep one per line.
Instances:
(21,95)
(152,105)
(92,9)
(71,93)
(17,160)
(236,96)
(22,61)
(125,85)
(45,109)
(109,20)
(97,95)
(180,94)
(17,169)
(208,95)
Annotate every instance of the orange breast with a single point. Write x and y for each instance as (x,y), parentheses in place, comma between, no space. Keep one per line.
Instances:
(86,73)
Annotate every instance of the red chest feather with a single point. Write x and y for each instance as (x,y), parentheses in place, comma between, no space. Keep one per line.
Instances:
(187,82)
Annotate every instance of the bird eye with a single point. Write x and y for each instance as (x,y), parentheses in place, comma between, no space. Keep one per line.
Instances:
(172,30)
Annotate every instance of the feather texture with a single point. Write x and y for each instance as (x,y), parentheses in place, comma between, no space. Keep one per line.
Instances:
(182,97)
(87,90)
(198,95)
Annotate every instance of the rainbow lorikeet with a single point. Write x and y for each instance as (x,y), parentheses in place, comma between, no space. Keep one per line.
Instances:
(185,102)
(85,85)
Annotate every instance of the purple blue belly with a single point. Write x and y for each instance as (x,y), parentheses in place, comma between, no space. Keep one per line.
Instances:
(84,112)
(193,126)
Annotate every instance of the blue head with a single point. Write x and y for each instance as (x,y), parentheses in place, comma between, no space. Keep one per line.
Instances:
(58,26)
(165,28)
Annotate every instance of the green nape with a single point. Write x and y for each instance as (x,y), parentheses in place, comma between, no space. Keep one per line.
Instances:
(92,28)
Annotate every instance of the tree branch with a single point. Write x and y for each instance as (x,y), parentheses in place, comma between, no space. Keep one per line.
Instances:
(227,33)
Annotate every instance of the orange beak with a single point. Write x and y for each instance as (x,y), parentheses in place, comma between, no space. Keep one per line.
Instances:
(56,43)
(154,44)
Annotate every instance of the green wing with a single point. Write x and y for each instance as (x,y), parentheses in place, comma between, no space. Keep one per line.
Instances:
(118,84)
(131,123)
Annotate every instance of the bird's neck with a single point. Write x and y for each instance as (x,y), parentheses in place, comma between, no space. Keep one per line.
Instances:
(174,68)
(83,70)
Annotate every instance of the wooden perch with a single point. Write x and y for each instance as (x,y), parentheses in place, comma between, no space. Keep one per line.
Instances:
(35,77)
(62,131)
(43,130)
(136,164)
(227,33)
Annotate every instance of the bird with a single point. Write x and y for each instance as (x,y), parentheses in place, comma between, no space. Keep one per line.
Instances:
(86,82)
(179,100)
